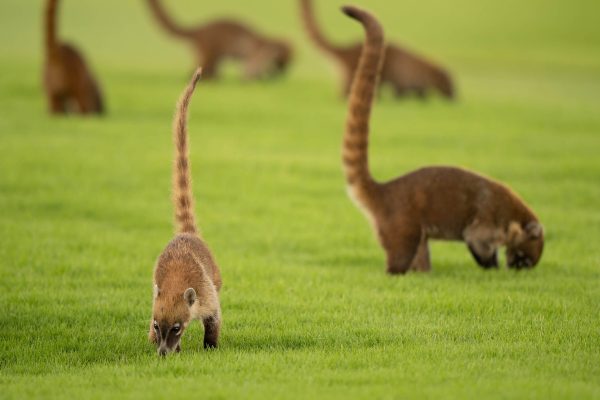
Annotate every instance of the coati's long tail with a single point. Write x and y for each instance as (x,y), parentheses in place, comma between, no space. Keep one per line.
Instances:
(313,30)
(166,21)
(50,19)
(183,197)
(356,137)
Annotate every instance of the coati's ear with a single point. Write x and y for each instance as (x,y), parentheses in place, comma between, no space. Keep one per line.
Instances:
(190,296)
(534,230)
(516,234)
(156,291)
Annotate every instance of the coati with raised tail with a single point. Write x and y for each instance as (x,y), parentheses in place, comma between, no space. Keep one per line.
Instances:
(186,278)
(406,72)
(68,81)
(432,202)
(222,39)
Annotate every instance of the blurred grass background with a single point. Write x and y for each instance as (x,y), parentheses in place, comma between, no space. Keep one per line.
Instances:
(85,209)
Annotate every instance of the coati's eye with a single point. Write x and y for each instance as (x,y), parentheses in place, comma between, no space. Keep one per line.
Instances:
(176,328)
(155,326)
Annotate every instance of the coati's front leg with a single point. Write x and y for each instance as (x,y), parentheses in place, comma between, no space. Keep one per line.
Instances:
(212,328)
(420,92)
(484,254)
(86,100)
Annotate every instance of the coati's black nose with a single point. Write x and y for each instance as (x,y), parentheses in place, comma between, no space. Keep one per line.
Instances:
(162,352)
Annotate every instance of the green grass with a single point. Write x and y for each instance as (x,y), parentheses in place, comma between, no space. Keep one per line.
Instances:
(308,311)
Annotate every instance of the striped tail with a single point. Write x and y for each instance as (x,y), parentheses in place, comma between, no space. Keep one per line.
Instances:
(313,30)
(182,181)
(165,20)
(356,138)
(50,19)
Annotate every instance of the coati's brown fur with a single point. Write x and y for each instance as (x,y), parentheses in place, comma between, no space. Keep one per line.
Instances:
(433,202)
(186,278)
(405,72)
(68,81)
(221,39)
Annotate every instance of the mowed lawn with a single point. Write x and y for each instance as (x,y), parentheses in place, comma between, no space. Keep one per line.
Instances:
(308,310)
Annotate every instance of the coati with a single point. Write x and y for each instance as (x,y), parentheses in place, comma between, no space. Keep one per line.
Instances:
(186,278)
(262,57)
(68,81)
(406,72)
(432,202)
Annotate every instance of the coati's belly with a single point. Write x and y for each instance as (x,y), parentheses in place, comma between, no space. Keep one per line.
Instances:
(437,232)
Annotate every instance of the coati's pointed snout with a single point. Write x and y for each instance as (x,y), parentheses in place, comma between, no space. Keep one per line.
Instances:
(166,347)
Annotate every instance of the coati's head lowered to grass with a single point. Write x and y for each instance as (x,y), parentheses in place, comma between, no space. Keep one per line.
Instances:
(525,245)
(186,278)
(170,318)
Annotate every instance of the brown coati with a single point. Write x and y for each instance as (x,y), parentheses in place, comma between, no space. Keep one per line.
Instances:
(405,72)
(223,39)
(432,202)
(68,81)
(186,278)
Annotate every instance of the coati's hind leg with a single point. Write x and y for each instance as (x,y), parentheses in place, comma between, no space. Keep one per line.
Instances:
(421,261)
(401,249)
(212,328)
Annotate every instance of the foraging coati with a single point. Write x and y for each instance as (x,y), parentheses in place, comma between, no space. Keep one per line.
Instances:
(68,81)
(404,71)
(432,202)
(221,39)
(186,278)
